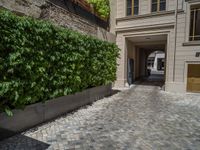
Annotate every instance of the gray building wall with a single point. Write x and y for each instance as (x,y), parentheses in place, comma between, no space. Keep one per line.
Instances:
(113,13)
(178,46)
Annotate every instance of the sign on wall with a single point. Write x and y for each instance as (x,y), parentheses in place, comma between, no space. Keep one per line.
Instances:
(197,54)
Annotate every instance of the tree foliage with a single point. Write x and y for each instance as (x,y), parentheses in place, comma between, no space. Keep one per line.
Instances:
(39,61)
(102,7)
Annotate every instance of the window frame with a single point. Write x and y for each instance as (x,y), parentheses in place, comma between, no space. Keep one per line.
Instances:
(192,23)
(128,7)
(188,6)
(158,3)
(133,7)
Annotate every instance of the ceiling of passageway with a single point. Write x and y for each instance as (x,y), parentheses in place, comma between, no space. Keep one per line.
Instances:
(156,42)
(160,47)
(148,38)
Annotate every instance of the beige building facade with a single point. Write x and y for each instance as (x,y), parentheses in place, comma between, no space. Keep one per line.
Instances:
(171,26)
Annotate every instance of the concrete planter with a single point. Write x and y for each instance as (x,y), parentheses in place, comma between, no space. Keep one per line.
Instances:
(38,113)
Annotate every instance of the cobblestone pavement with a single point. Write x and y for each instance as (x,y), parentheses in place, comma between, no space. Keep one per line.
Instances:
(141,118)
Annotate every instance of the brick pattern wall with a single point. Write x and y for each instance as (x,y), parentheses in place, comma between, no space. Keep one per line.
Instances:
(43,9)
(67,19)
(24,7)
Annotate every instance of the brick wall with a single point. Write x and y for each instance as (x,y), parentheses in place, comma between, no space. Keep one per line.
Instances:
(24,7)
(46,10)
(67,19)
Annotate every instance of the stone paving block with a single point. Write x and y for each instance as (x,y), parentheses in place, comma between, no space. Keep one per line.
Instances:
(141,118)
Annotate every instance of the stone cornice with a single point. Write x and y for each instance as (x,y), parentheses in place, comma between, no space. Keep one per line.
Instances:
(190,1)
(192,43)
(148,15)
(145,27)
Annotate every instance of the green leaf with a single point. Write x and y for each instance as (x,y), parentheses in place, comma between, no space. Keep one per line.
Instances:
(16,95)
(8,112)
(40,61)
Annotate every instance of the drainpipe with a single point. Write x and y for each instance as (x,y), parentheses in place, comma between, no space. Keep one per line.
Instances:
(175,30)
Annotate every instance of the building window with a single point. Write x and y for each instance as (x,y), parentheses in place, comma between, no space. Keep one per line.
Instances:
(195,24)
(132,7)
(158,5)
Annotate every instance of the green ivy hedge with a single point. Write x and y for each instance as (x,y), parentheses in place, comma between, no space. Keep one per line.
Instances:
(40,61)
(102,7)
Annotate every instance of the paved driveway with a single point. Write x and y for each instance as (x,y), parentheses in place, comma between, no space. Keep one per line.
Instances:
(141,118)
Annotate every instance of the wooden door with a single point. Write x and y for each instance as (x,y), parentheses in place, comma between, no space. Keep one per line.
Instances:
(193,79)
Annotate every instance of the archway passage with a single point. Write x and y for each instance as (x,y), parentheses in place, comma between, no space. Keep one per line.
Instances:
(146,59)
(155,67)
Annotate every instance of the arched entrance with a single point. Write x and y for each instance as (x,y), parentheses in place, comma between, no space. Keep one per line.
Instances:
(146,59)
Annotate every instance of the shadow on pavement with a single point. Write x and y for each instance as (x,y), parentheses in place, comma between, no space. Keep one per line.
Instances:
(4,133)
(113,92)
(21,142)
(152,80)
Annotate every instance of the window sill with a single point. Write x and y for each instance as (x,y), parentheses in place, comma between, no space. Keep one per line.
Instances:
(192,43)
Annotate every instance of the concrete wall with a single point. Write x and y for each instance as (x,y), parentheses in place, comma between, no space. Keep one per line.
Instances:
(43,9)
(142,63)
(121,4)
(122,68)
(143,21)
(113,13)
(140,58)
(185,51)
(42,112)
(132,53)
